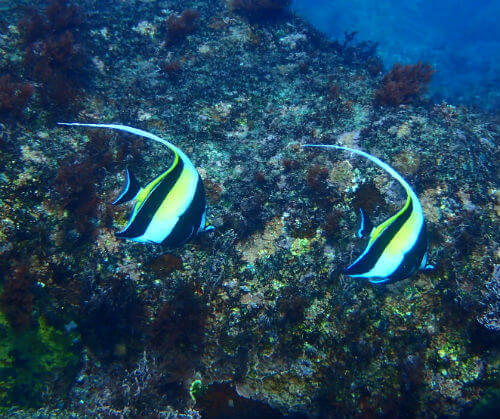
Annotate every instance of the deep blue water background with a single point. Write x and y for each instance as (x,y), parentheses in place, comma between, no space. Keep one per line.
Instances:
(461,39)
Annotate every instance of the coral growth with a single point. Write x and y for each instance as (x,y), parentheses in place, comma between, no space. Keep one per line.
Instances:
(251,219)
(75,183)
(178,27)
(291,307)
(333,92)
(214,191)
(404,84)
(172,68)
(368,197)
(62,15)
(291,310)
(166,264)
(59,16)
(261,308)
(13,95)
(77,178)
(223,402)
(289,165)
(331,224)
(375,66)
(316,178)
(113,318)
(491,316)
(51,56)
(16,299)
(177,330)
(260,178)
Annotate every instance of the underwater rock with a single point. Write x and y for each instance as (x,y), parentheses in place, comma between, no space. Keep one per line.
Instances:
(259,310)
(178,27)
(52,56)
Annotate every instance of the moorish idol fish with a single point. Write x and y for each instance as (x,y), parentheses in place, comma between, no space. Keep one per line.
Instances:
(171,209)
(396,248)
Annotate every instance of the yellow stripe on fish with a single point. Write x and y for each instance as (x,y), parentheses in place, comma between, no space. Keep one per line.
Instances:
(171,209)
(397,247)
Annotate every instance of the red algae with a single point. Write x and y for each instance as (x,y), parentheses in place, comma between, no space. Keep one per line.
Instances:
(404,84)
(13,95)
(17,299)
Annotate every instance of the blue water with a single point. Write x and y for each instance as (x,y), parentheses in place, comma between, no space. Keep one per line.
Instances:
(461,42)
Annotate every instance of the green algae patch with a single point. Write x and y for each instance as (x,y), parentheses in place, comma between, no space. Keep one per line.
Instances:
(33,363)
(299,246)
(454,360)
(196,389)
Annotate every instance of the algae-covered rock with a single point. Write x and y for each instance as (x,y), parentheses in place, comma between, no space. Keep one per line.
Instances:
(35,364)
(257,310)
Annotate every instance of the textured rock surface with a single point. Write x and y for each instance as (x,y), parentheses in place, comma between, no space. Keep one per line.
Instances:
(260,304)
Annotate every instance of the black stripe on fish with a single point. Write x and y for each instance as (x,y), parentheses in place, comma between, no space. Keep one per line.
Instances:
(151,203)
(368,261)
(189,222)
(412,259)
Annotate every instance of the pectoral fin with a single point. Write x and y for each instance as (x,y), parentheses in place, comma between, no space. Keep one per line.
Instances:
(365,226)
(208,227)
(130,191)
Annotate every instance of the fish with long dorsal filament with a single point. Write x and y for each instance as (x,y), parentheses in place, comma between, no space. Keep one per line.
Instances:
(398,247)
(171,209)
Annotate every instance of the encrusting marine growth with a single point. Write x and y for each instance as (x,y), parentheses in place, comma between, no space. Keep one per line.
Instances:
(259,310)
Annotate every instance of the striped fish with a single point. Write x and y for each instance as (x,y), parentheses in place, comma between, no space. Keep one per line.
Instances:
(396,248)
(171,209)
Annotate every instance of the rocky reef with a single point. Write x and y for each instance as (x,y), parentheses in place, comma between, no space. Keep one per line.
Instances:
(255,318)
